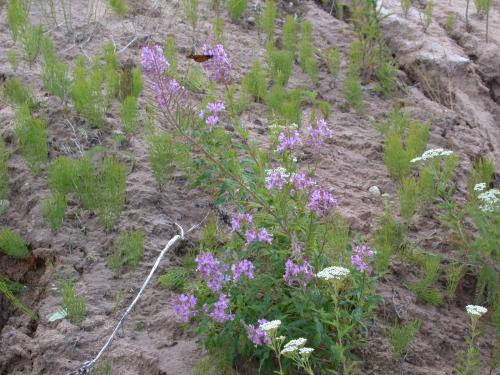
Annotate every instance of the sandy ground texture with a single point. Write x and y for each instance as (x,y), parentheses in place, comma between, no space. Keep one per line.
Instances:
(460,106)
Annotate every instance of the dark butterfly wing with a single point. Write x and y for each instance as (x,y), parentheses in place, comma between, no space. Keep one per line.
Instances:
(200,58)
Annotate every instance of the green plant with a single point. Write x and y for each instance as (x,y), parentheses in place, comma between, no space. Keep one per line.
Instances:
(407,198)
(333,59)
(4,171)
(281,64)
(405,7)
(111,183)
(174,279)
(105,367)
(385,72)
(161,157)
(254,82)
(236,8)
(73,304)
(402,335)
(306,51)
(8,289)
(13,59)
(353,92)
(427,294)
(62,175)
(17,16)
(454,273)
(289,34)
(129,115)
(32,136)
(427,17)
(450,22)
(53,209)
(56,78)
(16,93)
(129,250)
(389,238)
(119,6)
(31,40)
(196,79)
(267,21)
(170,52)
(190,10)
(483,170)
(12,244)
(218,30)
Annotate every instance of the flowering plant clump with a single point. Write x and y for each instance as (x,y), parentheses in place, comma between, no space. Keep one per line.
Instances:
(475,310)
(360,256)
(263,266)
(489,200)
(433,153)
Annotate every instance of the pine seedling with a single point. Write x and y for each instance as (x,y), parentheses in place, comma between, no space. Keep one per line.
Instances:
(289,34)
(267,21)
(56,80)
(218,30)
(4,172)
(8,292)
(85,184)
(32,136)
(454,273)
(190,10)
(333,59)
(129,115)
(137,82)
(385,72)
(236,102)
(129,250)
(405,7)
(427,294)
(17,17)
(407,198)
(388,237)
(417,137)
(53,209)
(196,79)
(281,64)
(118,6)
(254,82)
(396,158)
(18,94)
(450,22)
(161,156)
(353,92)
(306,51)
(73,303)
(483,170)
(111,184)
(62,175)
(12,244)
(174,279)
(236,8)
(13,59)
(427,18)
(432,266)
(170,52)
(402,335)
(31,40)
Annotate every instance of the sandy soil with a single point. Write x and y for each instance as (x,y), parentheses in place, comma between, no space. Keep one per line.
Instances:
(152,342)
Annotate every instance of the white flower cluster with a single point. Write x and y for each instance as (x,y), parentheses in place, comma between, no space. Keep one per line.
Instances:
(480,187)
(294,345)
(429,154)
(306,351)
(271,326)
(282,171)
(489,200)
(476,310)
(283,127)
(335,273)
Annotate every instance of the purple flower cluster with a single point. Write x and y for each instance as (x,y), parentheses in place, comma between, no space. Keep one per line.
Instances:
(219,66)
(257,335)
(321,201)
(300,274)
(240,218)
(360,257)
(211,270)
(288,141)
(219,313)
(301,182)
(211,115)
(185,306)
(316,135)
(261,235)
(276,178)
(153,61)
(242,268)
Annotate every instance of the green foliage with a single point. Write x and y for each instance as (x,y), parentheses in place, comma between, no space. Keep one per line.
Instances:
(236,103)
(105,367)
(196,79)
(119,6)
(427,19)
(385,72)
(487,287)
(129,115)
(31,40)
(174,279)
(111,197)
(306,51)
(483,170)
(73,304)
(4,171)
(129,250)
(333,59)
(389,237)
(16,93)
(353,92)
(267,21)
(427,294)
(402,335)
(17,17)
(405,7)
(12,244)
(56,78)
(170,52)
(236,8)
(7,290)
(281,64)
(218,30)
(254,82)
(454,273)
(53,209)
(190,10)
(450,22)
(407,198)
(289,34)
(13,59)
(62,175)
(161,157)
(32,136)
(431,269)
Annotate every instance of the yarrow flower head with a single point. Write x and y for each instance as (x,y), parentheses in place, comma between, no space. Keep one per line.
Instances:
(185,306)
(316,135)
(211,270)
(359,257)
(288,141)
(480,186)
(153,60)
(219,66)
(293,345)
(276,178)
(489,200)
(257,335)
(219,313)
(300,274)
(242,268)
(475,310)
(321,201)
(433,153)
(333,273)
(240,218)
(270,327)
(261,235)
(306,351)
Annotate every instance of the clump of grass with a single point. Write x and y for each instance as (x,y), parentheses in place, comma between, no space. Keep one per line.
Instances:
(236,8)
(62,175)
(389,237)
(385,72)
(4,171)
(111,184)
(32,136)
(73,304)
(161,156)
(454,273)
(236,102)
(170,52)
(129,115)
(174,279)
(18,94)
(402,335)
(196,79)
(13,59)
(427,294)
(17,17)
(407,198)
(31,40)
(254,82)
(306,51)
(218,30)
(289,34)
(483,170)
(129,250)
(12,244)
(267,21)
(55,77)
(119,6)
(105,367)
(9,289)
(190,10)
(333,59)
(281,64)
(53,209)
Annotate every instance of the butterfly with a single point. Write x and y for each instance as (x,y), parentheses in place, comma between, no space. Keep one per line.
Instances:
(199,58)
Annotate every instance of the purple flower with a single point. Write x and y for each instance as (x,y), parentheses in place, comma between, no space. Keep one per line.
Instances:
(316,135)
(216,107)
(240,218)
(167,92)
(257,335)
(211,114)
(301,274)
(359,257)
(185,306)
(321,202)
(301,182)
(276,178)
(288,141)
(211,270)
(153,60)
(212,120)
(252,235)
(242,268)
(219,313)
(219,66)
